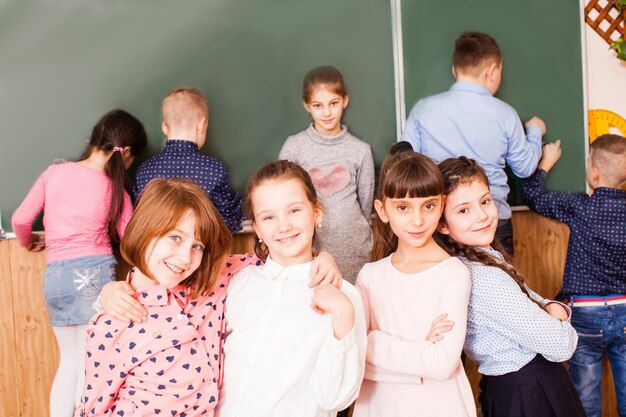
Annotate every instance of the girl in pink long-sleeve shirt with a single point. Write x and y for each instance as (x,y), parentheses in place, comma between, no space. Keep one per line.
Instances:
(413,294)
(168,364)
(85,207)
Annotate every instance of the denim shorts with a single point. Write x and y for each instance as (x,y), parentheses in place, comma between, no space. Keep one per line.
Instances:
(71,287)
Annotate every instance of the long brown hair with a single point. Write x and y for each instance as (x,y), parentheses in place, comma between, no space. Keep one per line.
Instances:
(276,171)
(116,128)
(163,203)
(456,172)
(404,173)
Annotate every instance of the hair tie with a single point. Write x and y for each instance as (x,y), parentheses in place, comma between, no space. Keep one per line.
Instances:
(119,149)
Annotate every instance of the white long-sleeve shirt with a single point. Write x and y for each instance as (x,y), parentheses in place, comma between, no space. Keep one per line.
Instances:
(281,358)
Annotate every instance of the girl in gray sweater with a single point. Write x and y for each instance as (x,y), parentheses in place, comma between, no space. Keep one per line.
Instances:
(341,167)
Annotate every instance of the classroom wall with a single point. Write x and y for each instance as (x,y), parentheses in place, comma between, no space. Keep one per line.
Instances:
(604,72)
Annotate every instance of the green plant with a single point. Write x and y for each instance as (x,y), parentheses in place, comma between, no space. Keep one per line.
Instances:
(620,47)
(620,4)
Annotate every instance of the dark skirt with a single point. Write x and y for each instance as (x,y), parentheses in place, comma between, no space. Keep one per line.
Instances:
(540,389)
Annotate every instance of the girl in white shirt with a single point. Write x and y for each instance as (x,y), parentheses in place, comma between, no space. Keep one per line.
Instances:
(290,350)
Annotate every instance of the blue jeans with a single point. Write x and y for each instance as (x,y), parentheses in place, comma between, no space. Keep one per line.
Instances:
(600,329)
(71,287)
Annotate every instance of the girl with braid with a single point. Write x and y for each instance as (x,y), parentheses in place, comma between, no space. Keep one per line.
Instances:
(516,337)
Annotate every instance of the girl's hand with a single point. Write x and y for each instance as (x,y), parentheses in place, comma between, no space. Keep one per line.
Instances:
(329,299)
(324,271)
(37,243)
(440,325)
(35,247)
(557,311)
(118,301)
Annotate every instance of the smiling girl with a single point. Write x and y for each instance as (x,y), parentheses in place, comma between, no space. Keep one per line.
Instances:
(341,167)
(177,244)
(412,295)
(516,337)
(290,350)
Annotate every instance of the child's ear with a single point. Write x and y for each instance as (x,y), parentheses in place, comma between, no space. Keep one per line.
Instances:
(380,210)
(202,125)
(346,100)
(492,71)
(165,129)
(596,175)
(201,128)
(318,211)
(256,230)
(306,105)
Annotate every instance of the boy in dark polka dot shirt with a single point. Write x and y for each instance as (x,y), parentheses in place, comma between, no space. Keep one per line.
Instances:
(594,281)
(185,122)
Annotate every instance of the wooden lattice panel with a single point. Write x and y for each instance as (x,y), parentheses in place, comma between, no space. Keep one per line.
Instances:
(603,17)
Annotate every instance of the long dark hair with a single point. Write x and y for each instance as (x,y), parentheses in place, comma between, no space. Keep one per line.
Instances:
(404,173)
(116,128)
(462,170)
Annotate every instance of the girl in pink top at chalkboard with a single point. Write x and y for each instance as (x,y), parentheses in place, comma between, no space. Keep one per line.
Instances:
(85,208)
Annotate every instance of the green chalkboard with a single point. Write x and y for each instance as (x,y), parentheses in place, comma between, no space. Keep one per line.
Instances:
(541,45)
(66,62)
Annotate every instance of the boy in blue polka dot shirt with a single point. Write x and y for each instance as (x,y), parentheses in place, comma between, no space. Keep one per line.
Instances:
(185,122)
(594,280)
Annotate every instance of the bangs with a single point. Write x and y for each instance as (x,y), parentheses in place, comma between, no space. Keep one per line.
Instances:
(168,217)
(204,227)
(165,209)
(410,180)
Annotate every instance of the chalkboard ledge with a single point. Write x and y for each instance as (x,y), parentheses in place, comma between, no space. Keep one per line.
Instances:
(246,225)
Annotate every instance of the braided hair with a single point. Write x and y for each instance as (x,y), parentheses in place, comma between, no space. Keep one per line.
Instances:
(462,170)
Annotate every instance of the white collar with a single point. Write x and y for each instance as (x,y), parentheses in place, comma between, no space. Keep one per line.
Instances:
(273,270)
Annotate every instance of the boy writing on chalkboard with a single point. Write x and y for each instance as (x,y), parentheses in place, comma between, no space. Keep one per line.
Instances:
(185,122)
(468,121)
(594,280)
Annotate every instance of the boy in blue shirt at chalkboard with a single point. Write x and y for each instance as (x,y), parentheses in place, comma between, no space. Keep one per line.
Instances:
(185,122)
(594,280)
(468,121)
